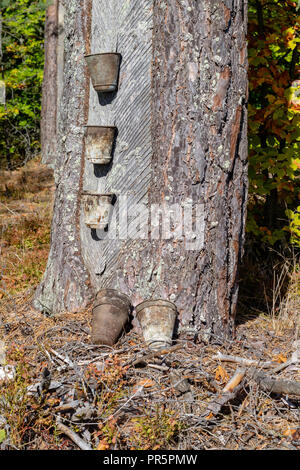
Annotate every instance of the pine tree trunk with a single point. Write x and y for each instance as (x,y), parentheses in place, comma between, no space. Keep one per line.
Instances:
(66,285)
(200,151)
(181,116)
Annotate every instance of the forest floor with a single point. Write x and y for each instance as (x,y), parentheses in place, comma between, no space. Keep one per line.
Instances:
(59,391)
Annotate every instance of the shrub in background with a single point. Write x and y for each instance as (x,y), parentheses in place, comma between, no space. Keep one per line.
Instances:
(21,65)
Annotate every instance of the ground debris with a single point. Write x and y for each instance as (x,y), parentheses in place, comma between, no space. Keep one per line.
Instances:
(125,397)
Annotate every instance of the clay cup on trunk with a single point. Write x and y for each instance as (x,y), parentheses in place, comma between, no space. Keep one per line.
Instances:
(97,209)
(104,70)
(99,142)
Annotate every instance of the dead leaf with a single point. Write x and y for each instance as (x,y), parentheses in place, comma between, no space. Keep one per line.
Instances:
(280,358)
(221,374)
(103,445)
(144,383)
(291,433)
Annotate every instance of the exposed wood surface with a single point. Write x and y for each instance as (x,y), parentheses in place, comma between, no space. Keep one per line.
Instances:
(228,393)
(235,380)
(126,27)
(243,361)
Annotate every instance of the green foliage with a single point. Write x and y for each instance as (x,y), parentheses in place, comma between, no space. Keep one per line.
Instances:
(22,71)
(2,435)
(155,432)
(294,226)
(274,121)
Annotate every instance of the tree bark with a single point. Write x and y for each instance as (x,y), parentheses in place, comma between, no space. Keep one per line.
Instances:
(49,98)
(181,116)
(200,151)
(66,285)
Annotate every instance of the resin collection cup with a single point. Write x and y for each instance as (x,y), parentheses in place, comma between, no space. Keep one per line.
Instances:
(104,70)
(157,320)
(97,209)
(111,312)
(99,143)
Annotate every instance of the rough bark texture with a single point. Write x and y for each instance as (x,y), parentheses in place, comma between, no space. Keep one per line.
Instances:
(200,151)
(66,284)
(199,126)
(181,117)
(49,101)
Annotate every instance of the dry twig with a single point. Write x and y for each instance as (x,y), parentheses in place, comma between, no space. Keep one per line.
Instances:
(161,352)
(242,361)
(73,436)
(229,392)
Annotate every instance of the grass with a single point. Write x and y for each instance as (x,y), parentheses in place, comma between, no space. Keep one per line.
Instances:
(26,197)
(270,286)
(285,310)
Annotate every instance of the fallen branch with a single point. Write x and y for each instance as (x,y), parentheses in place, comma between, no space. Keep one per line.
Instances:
(235,380)
(283,366)
(288,387)
(161,352)
(293,360)
(228,393)
(73,436)
(242,361)
(73,405)
(155,366)
(282,387)
(64,359)
(7,208)
(136,393)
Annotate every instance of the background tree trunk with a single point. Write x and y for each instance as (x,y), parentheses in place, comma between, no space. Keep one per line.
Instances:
(49,99)
(181,117)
